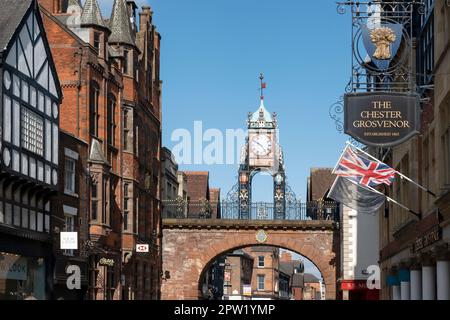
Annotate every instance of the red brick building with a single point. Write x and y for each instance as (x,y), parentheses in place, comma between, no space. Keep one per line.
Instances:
(265,275)
(109,74)
(198,192)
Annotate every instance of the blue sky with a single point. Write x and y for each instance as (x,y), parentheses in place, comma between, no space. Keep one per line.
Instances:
(212,54)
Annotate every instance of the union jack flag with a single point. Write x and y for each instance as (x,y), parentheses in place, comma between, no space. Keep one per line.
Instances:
(364,171)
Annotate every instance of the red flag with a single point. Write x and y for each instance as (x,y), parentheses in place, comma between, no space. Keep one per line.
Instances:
(263,85)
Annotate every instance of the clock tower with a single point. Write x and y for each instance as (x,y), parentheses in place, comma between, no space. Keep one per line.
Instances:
(262,153)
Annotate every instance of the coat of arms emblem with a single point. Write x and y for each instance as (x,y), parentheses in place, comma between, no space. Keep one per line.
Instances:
(382,42)
(383,38)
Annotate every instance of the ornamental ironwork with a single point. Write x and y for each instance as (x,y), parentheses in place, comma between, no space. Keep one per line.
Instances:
(382,48)
(229,209)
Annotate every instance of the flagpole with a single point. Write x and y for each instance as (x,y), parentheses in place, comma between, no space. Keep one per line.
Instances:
(389,199)
(399,173)
(418,215)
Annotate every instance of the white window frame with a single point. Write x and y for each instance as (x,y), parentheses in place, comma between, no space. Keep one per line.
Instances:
(258,277)
(71,156)
(263,262)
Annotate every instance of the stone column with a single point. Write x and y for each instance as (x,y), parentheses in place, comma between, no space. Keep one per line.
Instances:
(416,281)
(404,277)
(428,278)
(396,295)
(443,273)
(394,282)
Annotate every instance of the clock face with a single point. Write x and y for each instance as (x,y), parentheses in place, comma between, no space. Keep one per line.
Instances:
(261,145)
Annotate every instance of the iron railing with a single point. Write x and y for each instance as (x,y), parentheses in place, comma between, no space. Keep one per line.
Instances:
(204,209)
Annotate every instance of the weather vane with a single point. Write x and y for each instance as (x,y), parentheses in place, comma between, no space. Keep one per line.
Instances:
(263,85)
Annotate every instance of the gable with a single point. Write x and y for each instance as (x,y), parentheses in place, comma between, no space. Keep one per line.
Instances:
(30,55)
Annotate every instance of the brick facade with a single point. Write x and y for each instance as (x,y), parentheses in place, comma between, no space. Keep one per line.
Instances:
(109,75)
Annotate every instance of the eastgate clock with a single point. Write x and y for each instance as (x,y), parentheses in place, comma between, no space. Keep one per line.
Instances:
(261,145)
(261,153)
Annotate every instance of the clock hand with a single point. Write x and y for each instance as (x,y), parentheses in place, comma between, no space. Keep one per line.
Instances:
(259,144)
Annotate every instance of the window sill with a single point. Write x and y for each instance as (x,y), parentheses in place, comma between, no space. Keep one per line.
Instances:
(71,194)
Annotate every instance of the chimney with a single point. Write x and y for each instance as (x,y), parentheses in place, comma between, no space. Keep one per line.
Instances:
(131,6)
(286,257)
(145,17)
(53,6)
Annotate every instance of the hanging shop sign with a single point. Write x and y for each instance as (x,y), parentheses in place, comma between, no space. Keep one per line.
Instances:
(69,240)
(106,262)
(247,290)
(142,248)
(381,118)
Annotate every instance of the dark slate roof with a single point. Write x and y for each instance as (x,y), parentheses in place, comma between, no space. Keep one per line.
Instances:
(91,14)
(310,278)
(12,12)
(120,24)
(289,267)
(297,280)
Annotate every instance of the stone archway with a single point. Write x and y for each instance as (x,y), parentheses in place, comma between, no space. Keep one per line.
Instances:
(189,246)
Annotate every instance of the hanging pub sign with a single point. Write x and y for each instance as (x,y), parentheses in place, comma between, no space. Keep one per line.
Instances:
(381,118)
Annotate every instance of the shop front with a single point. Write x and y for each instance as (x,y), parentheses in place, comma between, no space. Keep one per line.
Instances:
(25,267)
(64,268)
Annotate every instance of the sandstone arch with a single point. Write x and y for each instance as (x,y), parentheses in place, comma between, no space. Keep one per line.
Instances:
(190,245)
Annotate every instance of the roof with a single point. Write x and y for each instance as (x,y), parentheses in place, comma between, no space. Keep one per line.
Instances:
(310,278)
(91,14)
(11,15)
(96,153)
(286,268)
(297,280)
(261,114)
(320,181)
(197,185)
(120,24)
(289,267)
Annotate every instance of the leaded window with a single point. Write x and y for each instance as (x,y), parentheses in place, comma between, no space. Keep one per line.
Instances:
(32,127)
